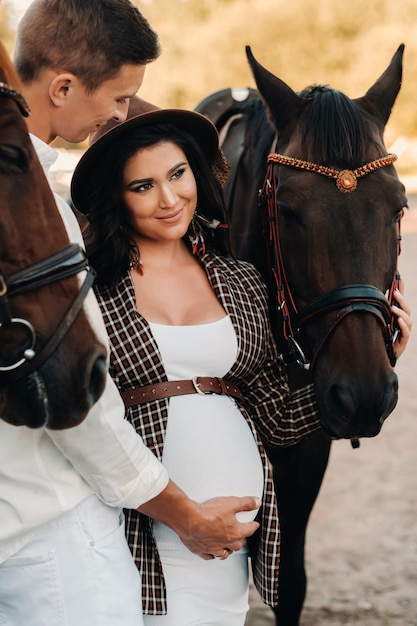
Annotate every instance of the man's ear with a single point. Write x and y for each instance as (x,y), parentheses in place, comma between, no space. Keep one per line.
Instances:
(60,86)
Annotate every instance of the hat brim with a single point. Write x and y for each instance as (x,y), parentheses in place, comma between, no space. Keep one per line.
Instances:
(203,131)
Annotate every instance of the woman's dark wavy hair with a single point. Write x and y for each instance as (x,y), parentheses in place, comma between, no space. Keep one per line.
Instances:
(110,247)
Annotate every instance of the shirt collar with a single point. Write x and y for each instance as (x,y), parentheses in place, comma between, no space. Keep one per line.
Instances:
(46,154)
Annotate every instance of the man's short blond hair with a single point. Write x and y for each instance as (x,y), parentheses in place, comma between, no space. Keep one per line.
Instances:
(92,39)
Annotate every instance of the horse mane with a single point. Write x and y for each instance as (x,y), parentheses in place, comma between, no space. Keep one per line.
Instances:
(259,133)
(8,72)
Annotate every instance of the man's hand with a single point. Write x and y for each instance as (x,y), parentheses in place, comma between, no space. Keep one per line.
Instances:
(209,529)
(215,528)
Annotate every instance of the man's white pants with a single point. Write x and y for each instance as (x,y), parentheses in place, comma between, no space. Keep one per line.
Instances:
(76,571)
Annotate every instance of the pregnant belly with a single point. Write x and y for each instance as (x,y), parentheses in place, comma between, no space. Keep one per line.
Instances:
(209,450)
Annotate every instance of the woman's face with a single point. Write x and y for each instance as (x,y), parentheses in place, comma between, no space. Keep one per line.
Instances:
(159,192)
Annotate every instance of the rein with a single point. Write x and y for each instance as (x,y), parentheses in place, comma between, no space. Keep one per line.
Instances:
(344,300)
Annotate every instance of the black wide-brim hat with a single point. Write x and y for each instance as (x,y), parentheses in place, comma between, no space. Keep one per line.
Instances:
(202,130)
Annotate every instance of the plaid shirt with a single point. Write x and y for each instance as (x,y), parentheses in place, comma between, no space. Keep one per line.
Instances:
(272,414)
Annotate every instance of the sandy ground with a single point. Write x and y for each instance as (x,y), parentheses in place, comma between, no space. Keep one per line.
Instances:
(361,554)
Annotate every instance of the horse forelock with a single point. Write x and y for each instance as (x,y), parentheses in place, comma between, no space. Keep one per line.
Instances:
(334,130)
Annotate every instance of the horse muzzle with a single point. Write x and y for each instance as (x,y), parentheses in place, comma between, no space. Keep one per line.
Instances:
(349,409)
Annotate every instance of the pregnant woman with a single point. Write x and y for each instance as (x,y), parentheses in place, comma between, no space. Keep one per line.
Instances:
(191,353)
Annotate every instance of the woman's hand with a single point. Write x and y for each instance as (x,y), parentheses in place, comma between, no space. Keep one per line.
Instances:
(404,321)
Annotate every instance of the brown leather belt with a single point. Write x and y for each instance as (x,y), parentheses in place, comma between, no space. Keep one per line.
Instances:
(202,385)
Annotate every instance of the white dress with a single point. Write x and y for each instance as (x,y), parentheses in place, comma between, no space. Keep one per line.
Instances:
(209,451)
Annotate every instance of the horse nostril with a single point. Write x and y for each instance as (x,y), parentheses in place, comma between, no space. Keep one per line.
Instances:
(340,401)
(97,379)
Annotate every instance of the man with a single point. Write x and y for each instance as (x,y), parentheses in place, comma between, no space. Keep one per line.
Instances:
(64,558)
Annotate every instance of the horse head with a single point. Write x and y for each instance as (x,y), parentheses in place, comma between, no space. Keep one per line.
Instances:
(53,355)
(338,203)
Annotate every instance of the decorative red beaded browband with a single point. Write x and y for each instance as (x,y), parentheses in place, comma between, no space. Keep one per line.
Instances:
(346,180)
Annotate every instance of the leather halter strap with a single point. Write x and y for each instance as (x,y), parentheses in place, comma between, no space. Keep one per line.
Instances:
(62,265)
(353,294)
(346,299)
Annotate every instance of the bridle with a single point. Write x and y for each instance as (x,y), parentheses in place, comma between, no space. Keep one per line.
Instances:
(344,300)
(68,262)
(62,265)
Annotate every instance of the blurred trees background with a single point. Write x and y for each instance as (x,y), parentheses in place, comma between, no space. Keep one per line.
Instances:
(6,32)
(346,45)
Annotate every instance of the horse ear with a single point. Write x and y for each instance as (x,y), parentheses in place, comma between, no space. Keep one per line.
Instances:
(381,96)
(282,102)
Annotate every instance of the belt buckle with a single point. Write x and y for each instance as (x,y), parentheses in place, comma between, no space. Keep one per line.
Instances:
(196,386)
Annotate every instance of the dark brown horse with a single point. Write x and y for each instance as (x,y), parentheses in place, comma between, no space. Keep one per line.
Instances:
(324,232)
(52,361)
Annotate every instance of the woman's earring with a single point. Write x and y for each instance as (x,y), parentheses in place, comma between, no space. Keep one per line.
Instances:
(135,263)
(195,234)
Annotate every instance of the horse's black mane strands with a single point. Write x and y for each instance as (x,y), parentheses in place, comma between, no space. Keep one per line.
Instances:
(334,128)
(259,134)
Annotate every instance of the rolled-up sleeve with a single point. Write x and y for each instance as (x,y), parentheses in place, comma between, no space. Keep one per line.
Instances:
(110,456)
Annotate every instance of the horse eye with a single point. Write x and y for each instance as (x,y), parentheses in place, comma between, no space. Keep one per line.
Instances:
(13,160)
(288,214)
(399,214)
